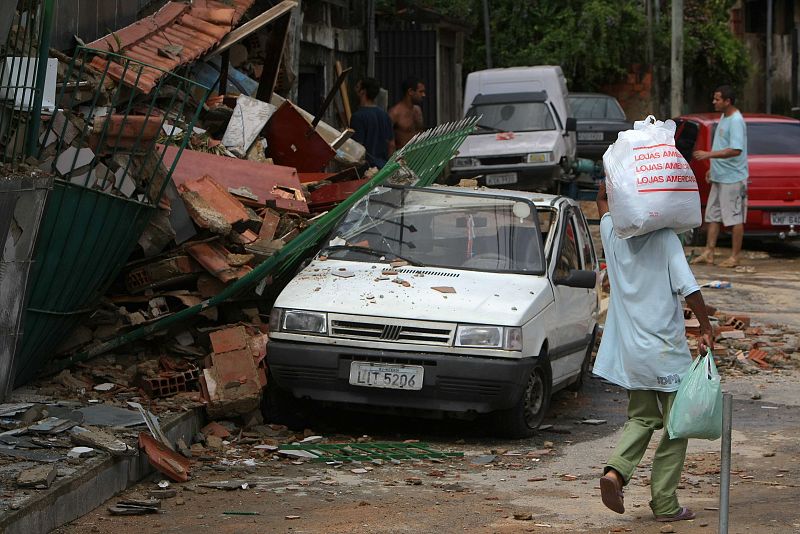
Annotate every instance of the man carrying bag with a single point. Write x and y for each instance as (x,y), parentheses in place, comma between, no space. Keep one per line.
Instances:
(644,350)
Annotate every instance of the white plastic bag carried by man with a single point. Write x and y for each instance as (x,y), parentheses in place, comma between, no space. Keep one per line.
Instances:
(650,185)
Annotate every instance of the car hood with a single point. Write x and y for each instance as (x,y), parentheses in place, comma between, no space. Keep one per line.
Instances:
(487,144)
(479,297)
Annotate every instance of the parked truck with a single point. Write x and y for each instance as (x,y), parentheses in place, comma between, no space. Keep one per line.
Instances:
(526,136)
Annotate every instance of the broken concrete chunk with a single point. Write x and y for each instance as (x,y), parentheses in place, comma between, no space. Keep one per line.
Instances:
(81,452)
(41,475)
(100,440)
(81,158)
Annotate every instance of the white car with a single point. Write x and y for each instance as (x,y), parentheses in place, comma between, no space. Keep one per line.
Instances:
(442,300)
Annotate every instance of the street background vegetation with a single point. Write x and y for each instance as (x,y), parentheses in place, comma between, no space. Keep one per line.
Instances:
(596,42)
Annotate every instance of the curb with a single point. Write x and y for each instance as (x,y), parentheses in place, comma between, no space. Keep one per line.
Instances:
(81,493)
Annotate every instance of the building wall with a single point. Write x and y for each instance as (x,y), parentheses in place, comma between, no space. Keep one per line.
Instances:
(749,23)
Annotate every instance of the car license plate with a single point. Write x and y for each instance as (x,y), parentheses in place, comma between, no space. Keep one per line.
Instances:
(590,136)
(501,179)
(784,218)
(381,375)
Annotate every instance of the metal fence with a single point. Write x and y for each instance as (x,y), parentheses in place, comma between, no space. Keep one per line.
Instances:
(106,144)
(111,136)
(25,36)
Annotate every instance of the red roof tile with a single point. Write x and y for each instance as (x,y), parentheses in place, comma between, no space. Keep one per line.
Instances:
(197,28)
(262,179)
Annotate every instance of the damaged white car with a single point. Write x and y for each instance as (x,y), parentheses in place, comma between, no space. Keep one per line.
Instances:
(443,300)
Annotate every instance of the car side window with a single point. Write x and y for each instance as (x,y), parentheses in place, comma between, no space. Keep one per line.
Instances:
(587,250)
(568,255)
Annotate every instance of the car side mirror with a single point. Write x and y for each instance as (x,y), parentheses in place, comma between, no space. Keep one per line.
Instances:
(572,124)
(578,278)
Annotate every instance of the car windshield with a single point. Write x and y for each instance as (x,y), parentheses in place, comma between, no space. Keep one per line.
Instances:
(773,138)
(514,117)
(447,229)
(595,107)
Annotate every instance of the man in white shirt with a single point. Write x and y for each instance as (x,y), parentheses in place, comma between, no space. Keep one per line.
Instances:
(644,350)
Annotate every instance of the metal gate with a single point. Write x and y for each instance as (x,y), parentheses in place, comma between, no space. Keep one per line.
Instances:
(405,53)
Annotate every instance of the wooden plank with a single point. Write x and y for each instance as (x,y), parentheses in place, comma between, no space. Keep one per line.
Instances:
(345,94)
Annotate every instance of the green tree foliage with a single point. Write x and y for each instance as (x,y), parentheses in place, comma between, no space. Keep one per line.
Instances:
(596,41)
(712,54)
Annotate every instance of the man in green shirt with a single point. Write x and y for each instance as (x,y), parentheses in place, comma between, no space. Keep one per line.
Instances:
(727,200)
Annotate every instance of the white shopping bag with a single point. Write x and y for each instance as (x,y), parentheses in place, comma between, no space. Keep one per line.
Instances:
(650,185)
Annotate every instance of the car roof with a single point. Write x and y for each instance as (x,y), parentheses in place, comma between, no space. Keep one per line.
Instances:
(711,118)
(538,199)
(509,98)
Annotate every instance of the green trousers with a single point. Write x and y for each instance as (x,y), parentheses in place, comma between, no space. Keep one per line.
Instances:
(647,412)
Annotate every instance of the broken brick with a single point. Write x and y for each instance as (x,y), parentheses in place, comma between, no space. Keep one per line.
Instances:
(218,198)
(214,258)
(168,462)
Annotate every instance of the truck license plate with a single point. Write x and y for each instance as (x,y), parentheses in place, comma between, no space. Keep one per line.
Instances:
(590,136)
(501,179)
(784,218)
(380,375)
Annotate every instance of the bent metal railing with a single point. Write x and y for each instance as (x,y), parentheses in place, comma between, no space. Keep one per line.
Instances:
(106,145)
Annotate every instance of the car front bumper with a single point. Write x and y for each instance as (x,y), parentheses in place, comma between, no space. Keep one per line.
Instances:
(534,177)
(456,384)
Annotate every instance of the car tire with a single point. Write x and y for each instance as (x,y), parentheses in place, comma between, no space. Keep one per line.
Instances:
(522,419)
(587,360)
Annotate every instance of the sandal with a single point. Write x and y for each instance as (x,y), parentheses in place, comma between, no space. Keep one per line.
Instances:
(705,257)
(729,263)
(611,492)
(684,514)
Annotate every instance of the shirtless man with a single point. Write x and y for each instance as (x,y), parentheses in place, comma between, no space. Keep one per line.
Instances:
(406,115)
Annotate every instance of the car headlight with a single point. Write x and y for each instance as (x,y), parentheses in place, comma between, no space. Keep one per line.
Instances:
(539,157)
(466,162)
(301,321)
(493,337)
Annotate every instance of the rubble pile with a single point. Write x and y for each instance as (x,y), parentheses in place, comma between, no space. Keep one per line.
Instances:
(229,189)
(741,346)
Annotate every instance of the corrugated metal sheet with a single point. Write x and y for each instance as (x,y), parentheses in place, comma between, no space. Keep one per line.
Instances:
(22,201)
(194,29)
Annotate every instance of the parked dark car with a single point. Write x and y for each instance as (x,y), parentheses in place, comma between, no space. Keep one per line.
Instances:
(773,157)
(600,118)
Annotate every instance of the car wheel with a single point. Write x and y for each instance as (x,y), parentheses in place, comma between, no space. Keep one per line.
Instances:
(578,384)
(522,420)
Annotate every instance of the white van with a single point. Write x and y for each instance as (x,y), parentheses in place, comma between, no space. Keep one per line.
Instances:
(437,300)
(526,136)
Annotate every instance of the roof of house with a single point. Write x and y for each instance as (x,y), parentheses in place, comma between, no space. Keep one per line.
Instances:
(177,34)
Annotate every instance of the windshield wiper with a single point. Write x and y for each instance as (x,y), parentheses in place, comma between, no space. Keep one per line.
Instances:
(491,128)
(374,252)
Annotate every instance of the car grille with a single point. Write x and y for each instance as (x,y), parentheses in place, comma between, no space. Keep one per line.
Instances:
(429,272)
(502,160)
(392,330)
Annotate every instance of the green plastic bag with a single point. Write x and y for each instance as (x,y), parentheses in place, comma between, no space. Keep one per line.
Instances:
(697,409)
